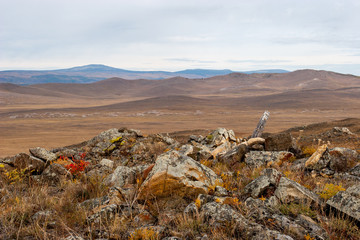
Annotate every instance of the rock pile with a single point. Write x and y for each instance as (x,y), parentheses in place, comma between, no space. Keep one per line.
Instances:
(151,179)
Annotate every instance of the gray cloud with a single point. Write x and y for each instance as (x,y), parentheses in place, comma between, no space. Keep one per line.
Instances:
(172,35)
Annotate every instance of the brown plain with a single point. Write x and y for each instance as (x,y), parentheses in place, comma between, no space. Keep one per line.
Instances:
(55,115)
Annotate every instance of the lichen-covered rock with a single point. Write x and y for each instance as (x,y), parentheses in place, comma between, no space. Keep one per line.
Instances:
(265,184)
(342,159)
(107,163)
(234,155)
(177,175)
(347,202)
(291,191)
(265,158)
(125,175)
(24,161)
(43,154)
(220,136)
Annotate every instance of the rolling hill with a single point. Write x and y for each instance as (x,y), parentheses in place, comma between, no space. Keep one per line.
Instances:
(96,72)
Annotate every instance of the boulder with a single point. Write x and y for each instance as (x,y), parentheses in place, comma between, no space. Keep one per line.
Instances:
(43,154)
(265,158)
(234,155)
(279,142)
(24,161)
(342,159)
(177,175)
(291,191)
(347,202)
(264,185)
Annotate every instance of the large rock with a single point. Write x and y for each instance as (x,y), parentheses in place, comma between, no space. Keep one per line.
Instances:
(177,175)
(290,191)
(265,184)
(342,159)
(279,142)
(24,161)
(265,158)
(347,202)
(43,154)
(222,214)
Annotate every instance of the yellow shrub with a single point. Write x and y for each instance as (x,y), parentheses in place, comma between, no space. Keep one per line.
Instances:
(308,150)
(330,190)
(144,234)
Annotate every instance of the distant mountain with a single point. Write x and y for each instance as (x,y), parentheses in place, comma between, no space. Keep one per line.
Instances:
(233,84)
(95,72)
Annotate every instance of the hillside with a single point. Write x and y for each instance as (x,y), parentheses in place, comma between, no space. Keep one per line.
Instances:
(126,185)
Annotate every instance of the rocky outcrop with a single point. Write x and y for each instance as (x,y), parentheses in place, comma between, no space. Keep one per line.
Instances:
(347,202)
(333,160)
(177,175)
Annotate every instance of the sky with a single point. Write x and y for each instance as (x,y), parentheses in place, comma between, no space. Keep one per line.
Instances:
(173,35)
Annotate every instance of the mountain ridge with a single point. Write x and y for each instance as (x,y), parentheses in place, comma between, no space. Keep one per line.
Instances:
(96,72)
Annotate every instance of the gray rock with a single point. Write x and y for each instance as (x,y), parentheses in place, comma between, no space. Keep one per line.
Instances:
(220,136)
(355,171)
(342,131)
(342,159)
(279,142)
(347,202)
(291,191)
(186,149)
(265,158)
(312,227)
(43,154)
(107,162)
(235,155)
(221,191)
(124,175)
(268,181)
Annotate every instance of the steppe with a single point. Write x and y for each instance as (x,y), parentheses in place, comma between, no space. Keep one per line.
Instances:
(54,114)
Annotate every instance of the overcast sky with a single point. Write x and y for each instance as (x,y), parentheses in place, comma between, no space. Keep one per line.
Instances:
(181,34)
